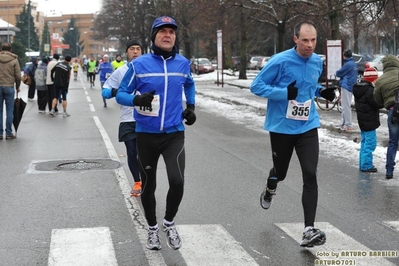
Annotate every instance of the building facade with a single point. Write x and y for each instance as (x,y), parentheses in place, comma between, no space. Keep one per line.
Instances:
(58,25)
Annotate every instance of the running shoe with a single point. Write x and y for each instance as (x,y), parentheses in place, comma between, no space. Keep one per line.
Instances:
(266,198)
(65,114)
(52,113)
(172,236)
(136,190)
(313,237)
(153,242)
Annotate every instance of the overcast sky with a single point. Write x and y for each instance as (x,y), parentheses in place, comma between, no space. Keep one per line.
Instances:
(69,6)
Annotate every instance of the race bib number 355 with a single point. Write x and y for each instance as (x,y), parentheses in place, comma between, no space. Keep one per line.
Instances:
(298,111)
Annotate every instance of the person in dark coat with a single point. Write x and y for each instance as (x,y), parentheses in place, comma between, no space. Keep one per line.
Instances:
(31,73)
(368,117)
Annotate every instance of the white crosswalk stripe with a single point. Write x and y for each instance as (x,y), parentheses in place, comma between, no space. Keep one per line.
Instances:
(339,247)
(81,246)
(213,246)
(392,224)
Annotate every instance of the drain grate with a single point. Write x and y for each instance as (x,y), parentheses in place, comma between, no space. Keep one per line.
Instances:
(75,165)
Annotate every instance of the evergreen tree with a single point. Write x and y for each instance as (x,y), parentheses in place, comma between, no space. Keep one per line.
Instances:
(71,37)
(19,49)
(46,39)
(27,36)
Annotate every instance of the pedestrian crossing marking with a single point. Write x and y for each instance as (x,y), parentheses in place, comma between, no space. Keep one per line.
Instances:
(82,246)
(211,245)
(337,244)
(392,224)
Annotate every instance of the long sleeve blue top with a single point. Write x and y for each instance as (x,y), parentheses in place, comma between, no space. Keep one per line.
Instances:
(169,78)
(272,81)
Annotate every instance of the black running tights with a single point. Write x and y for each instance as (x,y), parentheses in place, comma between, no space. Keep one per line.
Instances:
(307,149)
(150,147)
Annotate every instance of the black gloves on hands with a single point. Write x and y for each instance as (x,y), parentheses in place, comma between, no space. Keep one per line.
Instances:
(189,115)
(144,99)
(114,91)
(328,94)
(292,91)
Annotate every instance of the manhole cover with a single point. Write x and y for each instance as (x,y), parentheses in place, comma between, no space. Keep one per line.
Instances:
(76,165)
(80,165)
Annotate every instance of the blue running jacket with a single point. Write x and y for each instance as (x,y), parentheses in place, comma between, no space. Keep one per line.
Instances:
(169,78)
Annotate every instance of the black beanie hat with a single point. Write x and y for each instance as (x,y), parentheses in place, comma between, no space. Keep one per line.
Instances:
(133,41)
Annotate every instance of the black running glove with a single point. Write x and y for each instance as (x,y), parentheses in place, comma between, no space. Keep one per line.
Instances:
(114,91)
(292,91)
(144,99)
(189,115)
(328,93)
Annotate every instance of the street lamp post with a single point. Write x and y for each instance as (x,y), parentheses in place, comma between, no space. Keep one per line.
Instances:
(395,24)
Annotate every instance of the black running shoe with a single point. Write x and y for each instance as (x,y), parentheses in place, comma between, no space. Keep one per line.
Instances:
(266,198)
(313,237)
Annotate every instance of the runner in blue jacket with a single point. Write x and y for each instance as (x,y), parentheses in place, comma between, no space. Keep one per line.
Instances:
(289,82)
(105,69)
(157,81)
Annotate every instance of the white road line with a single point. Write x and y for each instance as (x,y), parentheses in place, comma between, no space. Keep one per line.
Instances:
(88,99)
(337,246)
(92,107)
(211,245)
(154,258)
(392,224)
(81,246)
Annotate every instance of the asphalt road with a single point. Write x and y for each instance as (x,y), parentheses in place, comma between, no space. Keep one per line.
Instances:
(44,208)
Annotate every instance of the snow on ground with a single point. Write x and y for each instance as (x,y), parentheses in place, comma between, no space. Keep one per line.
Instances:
(343,147)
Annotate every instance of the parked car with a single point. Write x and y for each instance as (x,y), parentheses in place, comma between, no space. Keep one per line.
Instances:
(262,62)
(236,62)
(360,61)
(253,62)
(201,66)
(376,63)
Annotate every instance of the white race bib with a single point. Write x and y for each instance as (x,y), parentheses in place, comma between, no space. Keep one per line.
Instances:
(150,111)
(298,111)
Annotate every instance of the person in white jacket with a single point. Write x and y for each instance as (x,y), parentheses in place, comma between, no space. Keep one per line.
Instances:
(49,82)
(127,126)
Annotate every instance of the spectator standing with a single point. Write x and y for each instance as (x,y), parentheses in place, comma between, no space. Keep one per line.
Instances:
(290,82)
(10,74)
(105,69)
(159,80)
(49,83)
(91,71)
(117,63)
(386,88)
(348,77)
(127,126)
(368,117)
(61,75)
(40,80)
(31,73)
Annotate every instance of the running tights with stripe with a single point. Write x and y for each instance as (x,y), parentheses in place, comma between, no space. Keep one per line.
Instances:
(150,147)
